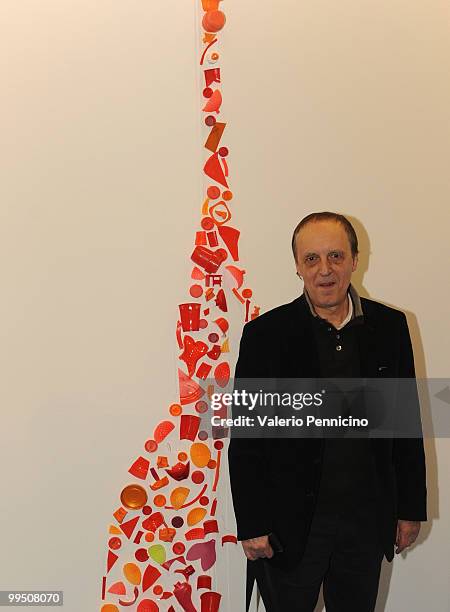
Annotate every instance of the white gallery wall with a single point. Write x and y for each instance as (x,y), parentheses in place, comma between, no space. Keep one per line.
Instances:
(339,106)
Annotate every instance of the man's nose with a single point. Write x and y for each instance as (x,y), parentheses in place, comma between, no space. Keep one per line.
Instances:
(325,267)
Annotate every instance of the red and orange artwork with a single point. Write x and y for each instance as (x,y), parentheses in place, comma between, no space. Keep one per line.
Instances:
(165,535)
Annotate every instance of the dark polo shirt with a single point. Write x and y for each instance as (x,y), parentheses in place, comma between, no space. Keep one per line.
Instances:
(347,476)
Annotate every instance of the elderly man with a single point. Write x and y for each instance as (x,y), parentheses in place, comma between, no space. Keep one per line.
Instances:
(326,511)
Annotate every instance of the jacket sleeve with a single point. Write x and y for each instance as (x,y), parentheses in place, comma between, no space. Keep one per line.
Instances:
(247,457)
(408,452)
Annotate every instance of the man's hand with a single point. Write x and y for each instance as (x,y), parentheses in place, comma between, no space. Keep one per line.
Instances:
(257,548)
(407,532)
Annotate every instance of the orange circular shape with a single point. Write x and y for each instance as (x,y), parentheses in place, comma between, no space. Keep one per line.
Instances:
(182,456)
(159,500)
(175,409)
(227,196)
(215,56)
(149,536)
(157,590)
(247,293)
(212,464)
(134,497)
(196,290)
(109,608)
(213,21)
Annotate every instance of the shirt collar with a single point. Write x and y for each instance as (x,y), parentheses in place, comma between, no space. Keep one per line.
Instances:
(354,310)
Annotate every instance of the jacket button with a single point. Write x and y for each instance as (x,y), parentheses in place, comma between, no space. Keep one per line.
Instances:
(339,347)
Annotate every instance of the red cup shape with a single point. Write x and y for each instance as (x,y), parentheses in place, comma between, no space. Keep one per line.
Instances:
(210,601)
(190,316)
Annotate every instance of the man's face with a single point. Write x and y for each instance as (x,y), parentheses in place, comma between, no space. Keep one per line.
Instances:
(325,262)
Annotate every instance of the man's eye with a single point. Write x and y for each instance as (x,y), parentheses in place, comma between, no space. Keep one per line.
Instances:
(311,258)
(335,255)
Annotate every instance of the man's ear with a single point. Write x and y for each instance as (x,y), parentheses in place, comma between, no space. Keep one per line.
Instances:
(355,263)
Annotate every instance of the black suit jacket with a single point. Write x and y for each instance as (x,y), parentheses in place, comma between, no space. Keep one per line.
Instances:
(274,482)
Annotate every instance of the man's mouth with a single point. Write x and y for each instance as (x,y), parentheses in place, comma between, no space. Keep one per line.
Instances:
(327,284)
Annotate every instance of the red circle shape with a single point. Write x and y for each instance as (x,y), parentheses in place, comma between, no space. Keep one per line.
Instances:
(213,192)
(197,477)
(207,223)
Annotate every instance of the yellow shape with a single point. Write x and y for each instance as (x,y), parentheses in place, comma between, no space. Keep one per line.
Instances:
(178,496)
(114,529)
(225,348)
(109,608)
(195,516)
(200,454)
(132,573)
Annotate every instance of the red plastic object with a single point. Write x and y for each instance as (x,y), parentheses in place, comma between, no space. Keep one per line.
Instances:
(213,192)
(120,514)
(221,301)
(197,533)
(162,430)
(140,467)
(132,601)
(138,536)
(115,543)
(222,374)
(210,601)
(211,526)
(230,236)
(213,168)
(183,594)
(189,424)
(118,588)
(190,316)
(208,260)
(112,558)
(212,239)
(166,534)
(203,371)
(213,104)
(220,213)
(141,555)
(179,471)
(129,526)
(192,353)
(190,391)
(200,238)
(212,75)
(147,606)
(197,274)
(213,21)
(215,352)
(204,582)
(229,538)
(205,551)
(237,274)
(153,521)
(215,135)
(150,576)
(223,324)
